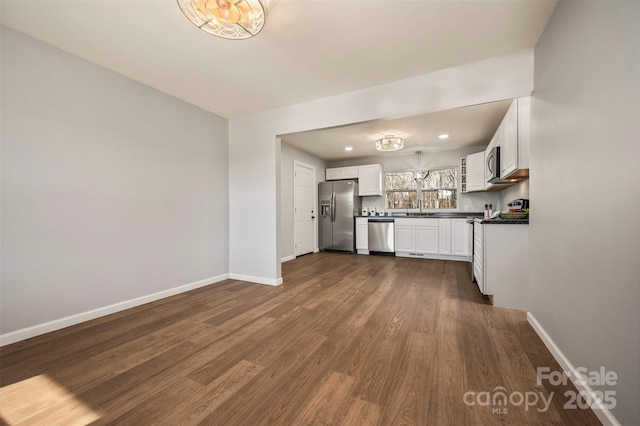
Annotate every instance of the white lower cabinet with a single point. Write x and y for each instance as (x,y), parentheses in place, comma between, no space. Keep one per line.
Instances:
(460,234)
(432,238)
(444,236)
(427,237)
(416,237)
(501,263)
(478,246)
(405,237)
(362,235)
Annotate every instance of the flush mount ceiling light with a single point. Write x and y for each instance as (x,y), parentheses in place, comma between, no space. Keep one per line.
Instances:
(443,136)
(390,143)
(230,19)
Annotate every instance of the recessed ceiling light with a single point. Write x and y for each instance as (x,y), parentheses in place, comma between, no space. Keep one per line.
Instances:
(443,136)
(348,148)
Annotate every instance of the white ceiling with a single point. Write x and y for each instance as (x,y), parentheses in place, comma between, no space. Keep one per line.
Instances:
(309,49)
(466,127)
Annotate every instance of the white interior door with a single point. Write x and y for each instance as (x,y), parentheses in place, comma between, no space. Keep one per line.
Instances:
(304,190)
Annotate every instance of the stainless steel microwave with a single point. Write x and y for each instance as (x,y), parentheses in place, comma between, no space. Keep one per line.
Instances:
(493,165)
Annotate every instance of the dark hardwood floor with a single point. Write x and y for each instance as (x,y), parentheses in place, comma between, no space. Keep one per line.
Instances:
(347,339)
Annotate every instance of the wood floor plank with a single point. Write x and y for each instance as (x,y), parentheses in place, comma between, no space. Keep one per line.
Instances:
(362,413)
(409,391)
(130,382)
(258,345)
(207,400)
(448,370)
(325,406)
(347,339)
(34,400)
(270,388)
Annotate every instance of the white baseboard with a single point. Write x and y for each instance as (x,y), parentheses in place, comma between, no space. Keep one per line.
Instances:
(287,258)
(47,327)
(257,280)
(602,412)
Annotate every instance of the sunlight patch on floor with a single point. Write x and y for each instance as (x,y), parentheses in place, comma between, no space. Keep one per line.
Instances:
(41,401)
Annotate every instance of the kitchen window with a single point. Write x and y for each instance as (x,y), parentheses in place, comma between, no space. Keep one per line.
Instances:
(401,190)
(438,191)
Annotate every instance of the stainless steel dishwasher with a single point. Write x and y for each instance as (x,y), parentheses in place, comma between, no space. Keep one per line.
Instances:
(381,236)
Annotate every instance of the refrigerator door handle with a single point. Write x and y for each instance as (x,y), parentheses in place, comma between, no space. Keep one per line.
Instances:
(333,207)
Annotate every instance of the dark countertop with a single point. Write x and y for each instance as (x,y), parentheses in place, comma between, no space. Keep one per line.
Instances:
(499,221)
(449,215)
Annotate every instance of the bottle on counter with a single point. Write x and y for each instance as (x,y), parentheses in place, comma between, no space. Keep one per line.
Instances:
(486,211)
(490,210)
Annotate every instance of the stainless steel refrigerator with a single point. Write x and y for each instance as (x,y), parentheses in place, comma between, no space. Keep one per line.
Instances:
(339,204)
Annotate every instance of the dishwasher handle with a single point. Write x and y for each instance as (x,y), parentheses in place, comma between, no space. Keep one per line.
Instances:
(381,220)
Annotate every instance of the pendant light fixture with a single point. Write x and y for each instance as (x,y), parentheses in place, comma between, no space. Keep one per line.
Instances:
(390,143)
(420,174)
(230,19)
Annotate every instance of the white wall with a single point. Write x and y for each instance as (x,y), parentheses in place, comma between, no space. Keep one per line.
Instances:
(111,190)
(289,154)
(585,233)
(519,190)
(472,202)
(254,153)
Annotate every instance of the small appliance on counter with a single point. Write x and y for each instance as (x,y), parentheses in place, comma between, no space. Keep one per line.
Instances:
(518,209)
(520,205)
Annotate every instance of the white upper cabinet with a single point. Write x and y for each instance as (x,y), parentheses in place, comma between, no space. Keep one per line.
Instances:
(370,180)
(350,172)
(509,144)
(515,139)
(333,174)
(475,172)
(338,173)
